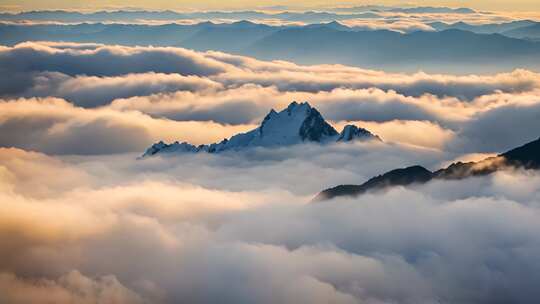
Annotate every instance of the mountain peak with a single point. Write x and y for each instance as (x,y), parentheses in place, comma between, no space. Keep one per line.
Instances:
(352,132)
(295,106)
(244,23)
(298,123)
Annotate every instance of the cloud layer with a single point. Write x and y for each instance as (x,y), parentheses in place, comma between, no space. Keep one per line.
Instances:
(212,236)
(149,93)
(82,220)
(63,60)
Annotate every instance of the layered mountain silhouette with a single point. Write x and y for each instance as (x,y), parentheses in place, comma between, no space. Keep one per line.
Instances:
(531,32)
(126,16)
(449,50)
(366,11)
(432,10)
(526,157)
(487,28)
(456,48)
(201,36)
(520,29)
(298,123)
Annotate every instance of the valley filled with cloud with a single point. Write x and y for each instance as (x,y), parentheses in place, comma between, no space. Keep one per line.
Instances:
(86,219)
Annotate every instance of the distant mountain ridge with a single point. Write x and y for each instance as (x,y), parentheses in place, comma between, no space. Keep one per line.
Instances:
(531,32)
(308,16)
(526,157)
(129,15)
(454,48)
(298,123)
(488,28)
(432,10)
(449,50)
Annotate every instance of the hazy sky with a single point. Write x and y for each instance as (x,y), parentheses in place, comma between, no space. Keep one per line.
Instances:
(16,5)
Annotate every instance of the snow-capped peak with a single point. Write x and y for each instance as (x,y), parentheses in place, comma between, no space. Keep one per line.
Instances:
(352,132)
(296,124)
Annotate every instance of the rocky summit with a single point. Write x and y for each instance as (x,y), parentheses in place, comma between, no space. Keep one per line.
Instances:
(298,123)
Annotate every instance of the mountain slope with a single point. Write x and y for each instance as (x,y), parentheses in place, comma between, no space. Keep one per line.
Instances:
(433,51)
(397,177)
(489,28)
(125,34)
(228,37)
(531,32)
(526,156)
(298,123)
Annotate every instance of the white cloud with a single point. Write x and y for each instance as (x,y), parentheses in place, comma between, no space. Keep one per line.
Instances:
(162,232)
(55,126)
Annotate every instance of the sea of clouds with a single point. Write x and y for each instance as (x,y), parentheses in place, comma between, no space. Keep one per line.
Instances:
(83,220)
(71,98)
(241,228)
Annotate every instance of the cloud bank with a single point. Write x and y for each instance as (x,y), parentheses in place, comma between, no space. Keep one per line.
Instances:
(82,220)
(210,238)
(86,107)
(61,60)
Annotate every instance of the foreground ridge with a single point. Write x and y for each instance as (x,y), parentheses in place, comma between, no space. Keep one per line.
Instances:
(526,157)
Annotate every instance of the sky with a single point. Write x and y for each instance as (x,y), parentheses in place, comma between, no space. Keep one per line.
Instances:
(23,5)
